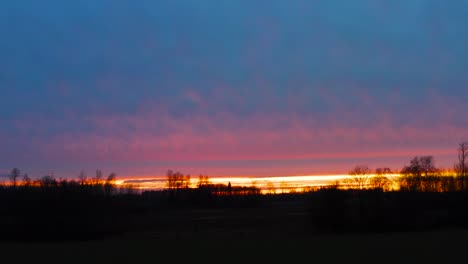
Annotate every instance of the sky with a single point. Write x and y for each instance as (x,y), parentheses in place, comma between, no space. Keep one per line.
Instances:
(230,88)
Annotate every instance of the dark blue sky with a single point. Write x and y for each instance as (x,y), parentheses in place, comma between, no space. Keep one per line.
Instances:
(230,87)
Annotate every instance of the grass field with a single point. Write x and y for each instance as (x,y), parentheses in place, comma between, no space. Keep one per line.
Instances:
(443,246)
(269,234)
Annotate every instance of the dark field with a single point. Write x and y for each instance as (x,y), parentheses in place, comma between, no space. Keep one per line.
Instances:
(444,246)
(278,231)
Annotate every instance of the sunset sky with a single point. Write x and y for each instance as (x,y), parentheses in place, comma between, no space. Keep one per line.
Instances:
(230,88)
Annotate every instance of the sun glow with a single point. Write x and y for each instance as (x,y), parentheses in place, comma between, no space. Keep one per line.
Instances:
(267,185)
(277,184)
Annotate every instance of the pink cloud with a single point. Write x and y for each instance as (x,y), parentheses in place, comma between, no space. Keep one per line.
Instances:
(152,134)
(156,135)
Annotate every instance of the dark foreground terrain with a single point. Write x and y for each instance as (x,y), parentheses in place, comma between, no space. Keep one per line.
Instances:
(78,222)
(441,246)
(277,231)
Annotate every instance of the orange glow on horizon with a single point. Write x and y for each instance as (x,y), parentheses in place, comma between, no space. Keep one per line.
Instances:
(275,184)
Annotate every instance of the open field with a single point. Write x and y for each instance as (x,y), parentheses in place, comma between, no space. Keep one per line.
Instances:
(275,233)
(443,246)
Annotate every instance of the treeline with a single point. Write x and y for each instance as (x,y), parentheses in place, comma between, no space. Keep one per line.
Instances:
(339,210)
(420,175)
(177,181)
(64,209)
(181,193)
(418,197)
(97,182)
(51,208)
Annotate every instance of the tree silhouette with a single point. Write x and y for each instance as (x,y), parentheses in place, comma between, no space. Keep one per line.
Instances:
(26,180)
(48,181)
(98,178)
(427,165)
(270,187)
(203,181)
(177,180)
(420,166)
(14,174)
(360,177)
(380,180)
(461,166)
(82,178)
(110,183)
(419,175)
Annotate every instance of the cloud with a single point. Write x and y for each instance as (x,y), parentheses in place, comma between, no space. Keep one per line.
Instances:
(154,134)
(136,83)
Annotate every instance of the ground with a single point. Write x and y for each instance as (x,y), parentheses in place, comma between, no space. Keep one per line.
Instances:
(442,246)
(271,234)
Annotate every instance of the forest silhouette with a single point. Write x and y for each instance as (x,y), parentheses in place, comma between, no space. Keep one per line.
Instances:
(422,197)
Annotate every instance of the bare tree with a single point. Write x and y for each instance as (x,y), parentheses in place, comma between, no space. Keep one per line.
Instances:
(26,180)
(427,165)
(14,174)
(186,181)
(176,180)
(461,167)
(360,177)
(48,181)
(110,183)
(420,166)
(98,178)
(171,179)
(270,187)
(418,175)
(203,181)
(380,180)
(383,171)
(82,178)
